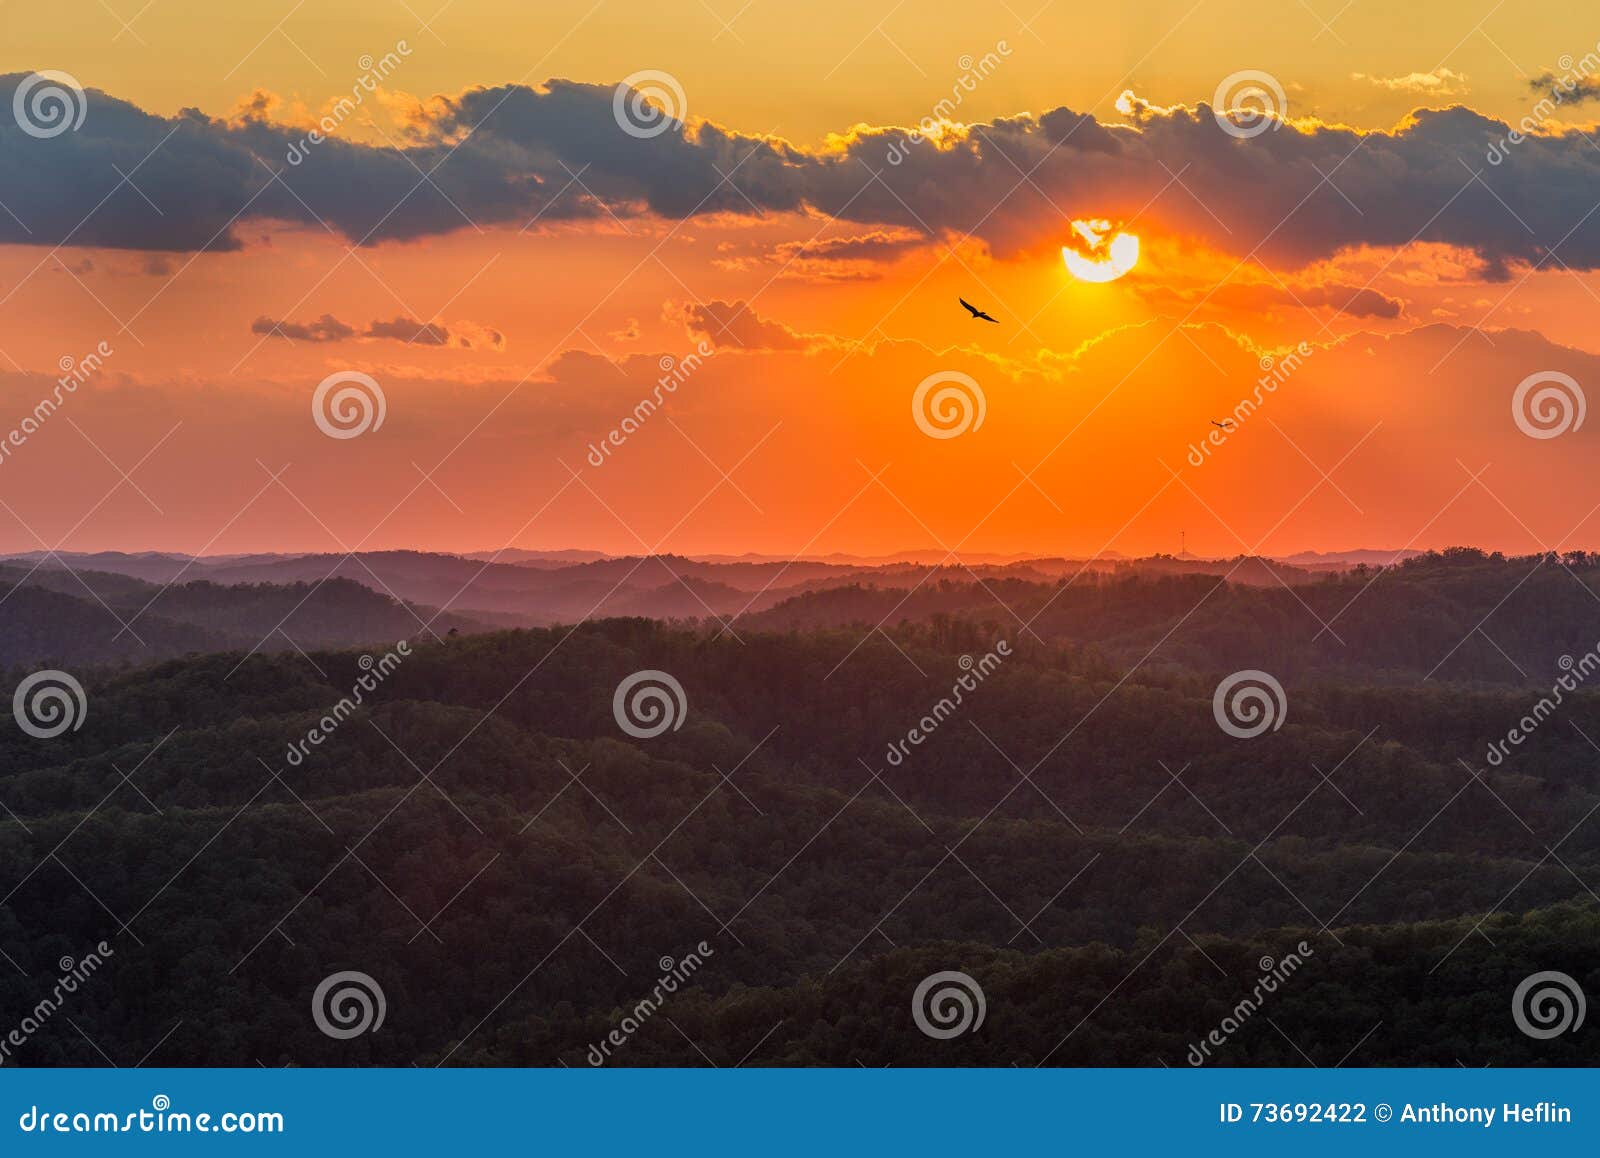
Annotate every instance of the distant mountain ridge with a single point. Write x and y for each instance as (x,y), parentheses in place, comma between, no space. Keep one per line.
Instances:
(1462,615)
(99,617)
(517,587)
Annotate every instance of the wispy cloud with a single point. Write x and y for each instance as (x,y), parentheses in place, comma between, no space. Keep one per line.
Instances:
(1568,88)
(1440,82)
(327,328)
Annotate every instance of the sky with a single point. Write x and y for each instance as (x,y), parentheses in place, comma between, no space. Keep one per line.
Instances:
(688,277)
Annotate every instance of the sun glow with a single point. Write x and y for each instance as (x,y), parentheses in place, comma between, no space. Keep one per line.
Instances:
(1098,257)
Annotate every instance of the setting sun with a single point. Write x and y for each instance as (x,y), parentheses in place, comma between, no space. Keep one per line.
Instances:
(1098,258)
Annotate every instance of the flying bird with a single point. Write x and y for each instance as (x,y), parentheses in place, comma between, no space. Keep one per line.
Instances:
(1223,425)
(976,312)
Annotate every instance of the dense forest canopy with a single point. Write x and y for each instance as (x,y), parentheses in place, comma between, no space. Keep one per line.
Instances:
(1073,830)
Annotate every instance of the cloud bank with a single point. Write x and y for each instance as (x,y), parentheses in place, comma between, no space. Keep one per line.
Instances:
(507,155)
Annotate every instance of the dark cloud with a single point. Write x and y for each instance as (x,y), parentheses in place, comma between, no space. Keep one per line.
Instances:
(876,245)
(411,331)
(854,257)
(1567,89)
(327,328)
(1352,301)
(1294,194)
(734,326)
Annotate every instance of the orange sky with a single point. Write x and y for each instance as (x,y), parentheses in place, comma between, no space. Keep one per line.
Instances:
(1422,282)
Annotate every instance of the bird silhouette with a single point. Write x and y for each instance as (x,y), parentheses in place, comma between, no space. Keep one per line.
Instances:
(976,312)
(1223,425)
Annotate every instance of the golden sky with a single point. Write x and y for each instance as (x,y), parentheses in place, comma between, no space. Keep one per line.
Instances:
(806,70)
(517,273)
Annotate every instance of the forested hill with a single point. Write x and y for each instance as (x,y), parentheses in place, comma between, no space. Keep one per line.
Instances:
(51,616)
(1457,616)
(483,838)
(1460,617)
